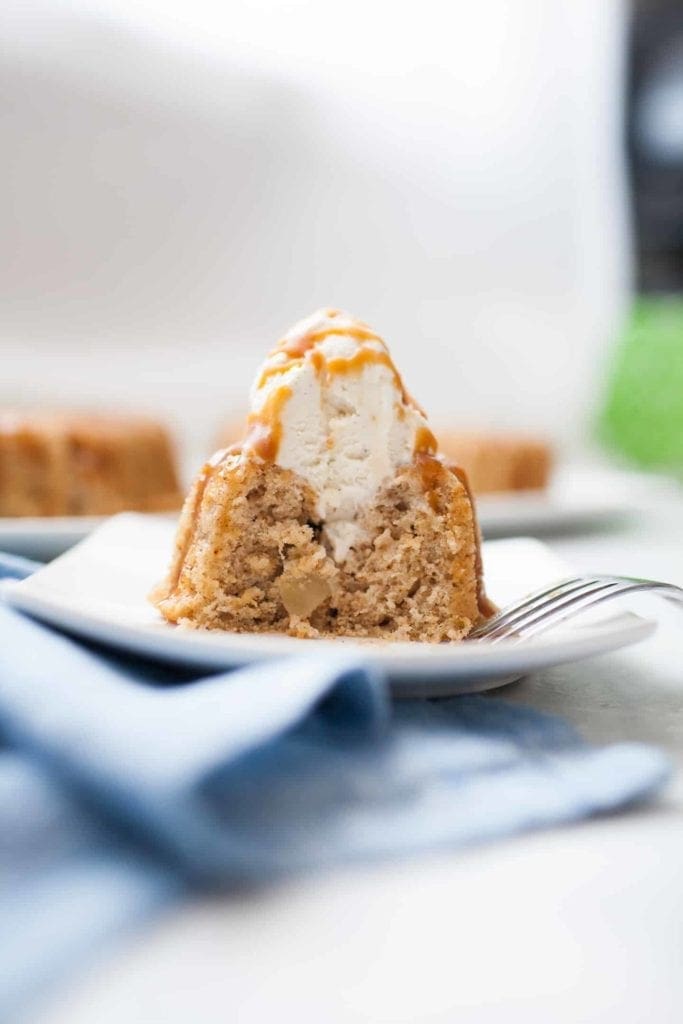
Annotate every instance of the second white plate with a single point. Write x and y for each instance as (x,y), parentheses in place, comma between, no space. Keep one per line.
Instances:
(44,537)
(578,496)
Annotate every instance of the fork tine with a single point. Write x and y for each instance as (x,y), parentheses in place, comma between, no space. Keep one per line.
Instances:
(545,608)
(558,613)
(616,586)
(554,609)
(507,622)
(528,602)
(571,601)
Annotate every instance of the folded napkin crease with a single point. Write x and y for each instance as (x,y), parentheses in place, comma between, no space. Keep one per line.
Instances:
(123,782)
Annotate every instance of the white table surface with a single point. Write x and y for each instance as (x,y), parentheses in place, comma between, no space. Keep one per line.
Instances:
(574,925)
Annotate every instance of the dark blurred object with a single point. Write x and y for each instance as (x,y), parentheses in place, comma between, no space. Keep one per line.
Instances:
(643,413)
(655,142)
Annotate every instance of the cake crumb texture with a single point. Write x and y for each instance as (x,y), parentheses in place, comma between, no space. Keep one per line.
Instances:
(250,556)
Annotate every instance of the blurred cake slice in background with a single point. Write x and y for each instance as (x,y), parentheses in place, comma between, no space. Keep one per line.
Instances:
(498,462)
(70,464)
(333,516)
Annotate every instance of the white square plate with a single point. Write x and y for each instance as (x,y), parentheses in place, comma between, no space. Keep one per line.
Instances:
(98,590)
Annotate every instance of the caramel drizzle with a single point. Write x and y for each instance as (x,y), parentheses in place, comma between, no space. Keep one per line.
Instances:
(264,428)
(431,467)
(431,470)
(295,348)
(367,357)
(299,346)
(486,607)
(275,368)
(206,472)
(425,442)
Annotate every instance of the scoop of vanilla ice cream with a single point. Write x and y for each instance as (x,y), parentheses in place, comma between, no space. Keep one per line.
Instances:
(345,433)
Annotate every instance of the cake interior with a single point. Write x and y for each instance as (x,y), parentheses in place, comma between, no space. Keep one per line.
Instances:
(251,556)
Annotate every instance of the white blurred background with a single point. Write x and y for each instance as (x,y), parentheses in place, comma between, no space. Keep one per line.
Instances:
(181,181)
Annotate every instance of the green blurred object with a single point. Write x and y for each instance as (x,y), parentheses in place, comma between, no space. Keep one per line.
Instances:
(643,415)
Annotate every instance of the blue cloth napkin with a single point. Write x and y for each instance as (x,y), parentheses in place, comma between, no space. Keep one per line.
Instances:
(124,783)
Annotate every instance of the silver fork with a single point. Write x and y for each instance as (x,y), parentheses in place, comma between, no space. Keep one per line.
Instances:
(545,608)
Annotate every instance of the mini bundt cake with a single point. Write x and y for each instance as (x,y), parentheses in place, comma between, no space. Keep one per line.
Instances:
(334,516)
(68,464)
(499,462)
